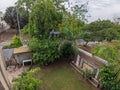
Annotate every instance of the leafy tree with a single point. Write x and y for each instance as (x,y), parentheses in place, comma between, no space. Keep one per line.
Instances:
(86,37)
(73,24)
(44,16)
(26,4)
(67,34)
(80,11)
(27,81)
(11,17)
(101,30)
(117,20)
(45,51)
(98,25)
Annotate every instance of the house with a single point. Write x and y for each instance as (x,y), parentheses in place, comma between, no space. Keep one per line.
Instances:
(86,63)
(3,24)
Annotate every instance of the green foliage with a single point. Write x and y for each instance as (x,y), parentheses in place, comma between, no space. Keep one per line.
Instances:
(25,30)
(101,30)
(44,16)
(80,11)
(110,75)
(105,52)
(16,42)
(109,34)
(108,78)
(87,36)
(27,4)
(67,34)
(27,81)
(98,25)
(11,17)
(71,24)
(67,49)
(46,50)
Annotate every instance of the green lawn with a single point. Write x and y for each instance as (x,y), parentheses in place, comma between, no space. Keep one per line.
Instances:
(62,77)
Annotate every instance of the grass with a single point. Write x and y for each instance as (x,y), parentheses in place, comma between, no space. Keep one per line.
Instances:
(62,77)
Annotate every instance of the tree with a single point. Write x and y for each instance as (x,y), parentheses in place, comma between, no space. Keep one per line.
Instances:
(11,17)
(27,81)
(101,30)
(72,24)
(26,4)
(80,11)
(109,34)
(44,16)
(116,20)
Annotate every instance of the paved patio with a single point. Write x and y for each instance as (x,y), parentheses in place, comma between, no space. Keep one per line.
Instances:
(14,73)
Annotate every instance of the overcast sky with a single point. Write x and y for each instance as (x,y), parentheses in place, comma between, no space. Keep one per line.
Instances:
(103,9)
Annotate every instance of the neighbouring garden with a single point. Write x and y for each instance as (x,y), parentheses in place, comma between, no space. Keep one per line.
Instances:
(53,30)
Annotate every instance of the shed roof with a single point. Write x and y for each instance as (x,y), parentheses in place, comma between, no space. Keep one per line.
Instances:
(7,54)
(21,50)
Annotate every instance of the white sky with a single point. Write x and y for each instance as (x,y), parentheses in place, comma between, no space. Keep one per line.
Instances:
(6,3)
(103,9)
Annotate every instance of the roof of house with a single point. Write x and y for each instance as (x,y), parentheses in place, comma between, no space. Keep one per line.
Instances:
(21,50)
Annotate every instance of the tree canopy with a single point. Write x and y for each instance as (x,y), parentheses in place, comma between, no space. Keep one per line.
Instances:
(11,17)
(101,30)
(44,17)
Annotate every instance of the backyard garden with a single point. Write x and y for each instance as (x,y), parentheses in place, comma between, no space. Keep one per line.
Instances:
(52,30)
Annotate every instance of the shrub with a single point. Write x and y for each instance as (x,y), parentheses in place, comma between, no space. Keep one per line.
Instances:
(16,43)
(25,30)
(46,50)
(27,81)
(67,49)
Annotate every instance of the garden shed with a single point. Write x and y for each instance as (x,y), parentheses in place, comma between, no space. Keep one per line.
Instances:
(17,56)
(22,55)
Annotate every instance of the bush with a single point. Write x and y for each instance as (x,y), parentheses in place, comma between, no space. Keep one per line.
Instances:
(25,30)
(16,43)
(67,49)
(46,50)
(27,81)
